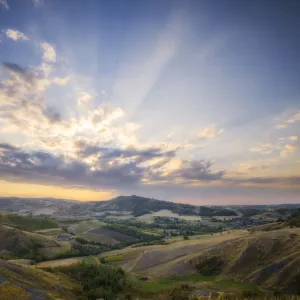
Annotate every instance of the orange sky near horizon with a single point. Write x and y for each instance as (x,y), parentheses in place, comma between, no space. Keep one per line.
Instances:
(27,190)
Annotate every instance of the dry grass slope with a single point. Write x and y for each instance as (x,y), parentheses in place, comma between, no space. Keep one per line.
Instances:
(270,259)
(27,282)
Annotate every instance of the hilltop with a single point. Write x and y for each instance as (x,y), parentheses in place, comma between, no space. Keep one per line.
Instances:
(134,205)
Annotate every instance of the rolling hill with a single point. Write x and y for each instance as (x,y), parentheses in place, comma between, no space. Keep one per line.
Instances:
(133,205)
(270,259)
(27,223)
(16,243)
(30,283)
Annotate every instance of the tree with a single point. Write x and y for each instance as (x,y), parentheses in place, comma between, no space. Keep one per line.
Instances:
(103,260)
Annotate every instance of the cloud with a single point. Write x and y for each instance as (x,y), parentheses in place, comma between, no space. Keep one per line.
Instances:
(105,168)
(265,149)
(275,181)
(196,171)
(4,4)
(101,167)
(84,98)
(84,149)
(43,167)
(16,35)
(247,168)
(49,54)
(293,138)
(22,104)
(210,132)
(113,168)
(292,119)
(61,80)
(288,150)
(284,149)
(281,126)
(15,68)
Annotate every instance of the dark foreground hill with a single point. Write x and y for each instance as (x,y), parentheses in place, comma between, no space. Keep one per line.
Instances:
(269,259)
(28,283)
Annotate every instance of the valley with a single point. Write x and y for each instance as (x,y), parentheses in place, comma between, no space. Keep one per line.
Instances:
(170,250)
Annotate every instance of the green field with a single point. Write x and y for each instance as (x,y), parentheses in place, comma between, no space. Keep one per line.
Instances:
(91,260)
(195,281)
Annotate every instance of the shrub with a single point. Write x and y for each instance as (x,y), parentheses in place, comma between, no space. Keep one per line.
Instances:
(98,281)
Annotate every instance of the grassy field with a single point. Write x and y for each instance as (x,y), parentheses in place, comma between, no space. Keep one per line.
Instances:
(196,281)
(115,258)
(93,260)
(59,262)
(49,232)
(83,226)
(106,236)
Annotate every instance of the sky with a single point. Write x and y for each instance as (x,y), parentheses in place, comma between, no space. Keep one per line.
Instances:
(193,101)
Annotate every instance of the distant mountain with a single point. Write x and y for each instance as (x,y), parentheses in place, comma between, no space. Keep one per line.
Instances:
(134,205)
(140,205)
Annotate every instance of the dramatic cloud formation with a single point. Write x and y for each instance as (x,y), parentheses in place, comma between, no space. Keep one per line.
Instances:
(163,110)
(108,168)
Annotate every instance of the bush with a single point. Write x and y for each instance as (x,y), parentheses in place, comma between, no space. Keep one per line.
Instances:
(98,281)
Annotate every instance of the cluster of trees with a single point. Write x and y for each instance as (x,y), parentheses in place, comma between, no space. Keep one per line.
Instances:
(27,250)
(98,281)
(295,219)
(86,249)
(206,211)
(83,241)
(156,242)
(30,252)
